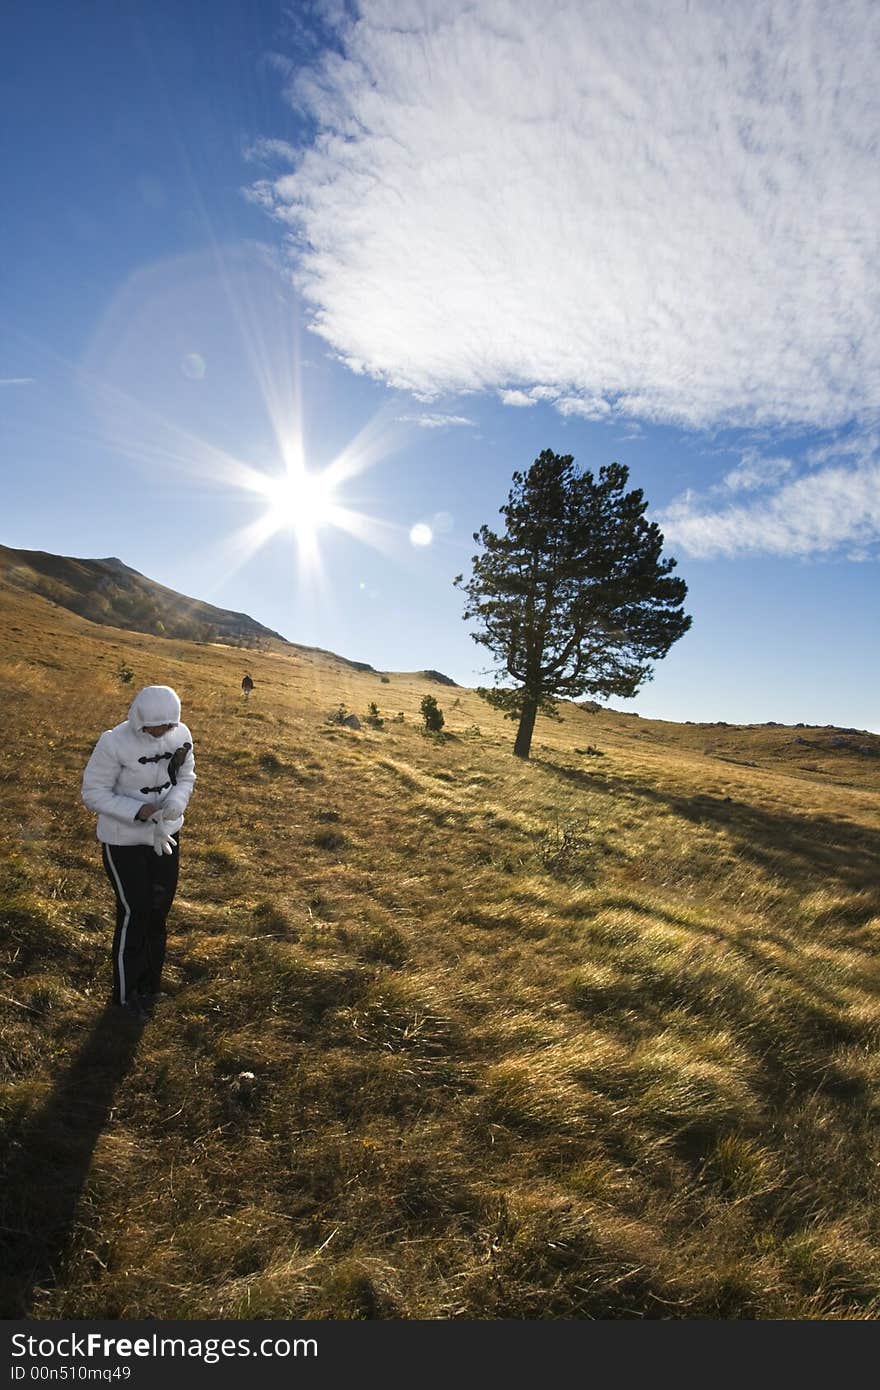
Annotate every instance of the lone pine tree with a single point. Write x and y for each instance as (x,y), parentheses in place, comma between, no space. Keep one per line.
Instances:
(574,598)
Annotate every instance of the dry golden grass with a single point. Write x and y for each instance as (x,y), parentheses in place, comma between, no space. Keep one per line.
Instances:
(583,1037)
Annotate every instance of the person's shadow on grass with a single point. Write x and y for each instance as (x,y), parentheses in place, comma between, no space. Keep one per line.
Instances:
(45,1160)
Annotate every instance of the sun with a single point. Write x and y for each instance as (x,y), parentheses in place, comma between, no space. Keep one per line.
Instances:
(302,502)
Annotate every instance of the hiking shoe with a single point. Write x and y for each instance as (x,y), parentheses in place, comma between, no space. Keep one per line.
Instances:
(148,1000)
(134,1007)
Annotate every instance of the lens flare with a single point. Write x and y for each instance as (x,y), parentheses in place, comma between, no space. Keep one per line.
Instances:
(421,534)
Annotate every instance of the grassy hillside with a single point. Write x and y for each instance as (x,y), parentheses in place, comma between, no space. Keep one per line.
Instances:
(109,592)
(449,1035)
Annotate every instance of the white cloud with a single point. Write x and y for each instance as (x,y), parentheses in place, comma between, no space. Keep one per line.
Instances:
(816,514)
(591,408)
(270,150)
(17,380)
(665,206)
(754,472)
(863,446)
(428,421)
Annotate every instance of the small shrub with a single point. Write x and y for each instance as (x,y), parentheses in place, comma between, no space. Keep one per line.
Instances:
(432,714)
(330,839)
(386,680)
(337,715)
(124,673)
(373,717)
(399,717)
(566,851)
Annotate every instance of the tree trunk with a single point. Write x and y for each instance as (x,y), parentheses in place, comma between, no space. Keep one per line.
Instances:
(526,728)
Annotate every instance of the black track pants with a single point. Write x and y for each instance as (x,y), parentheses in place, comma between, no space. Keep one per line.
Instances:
(144,883)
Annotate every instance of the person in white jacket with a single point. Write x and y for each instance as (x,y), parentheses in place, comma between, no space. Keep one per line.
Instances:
(139,779)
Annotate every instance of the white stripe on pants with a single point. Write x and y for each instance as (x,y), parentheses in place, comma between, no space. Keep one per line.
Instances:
(125,922)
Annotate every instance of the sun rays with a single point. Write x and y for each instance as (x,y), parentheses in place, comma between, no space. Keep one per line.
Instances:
(305,502)
(235,425)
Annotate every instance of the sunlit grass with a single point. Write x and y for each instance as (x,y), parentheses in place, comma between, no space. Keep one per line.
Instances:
(414,1062)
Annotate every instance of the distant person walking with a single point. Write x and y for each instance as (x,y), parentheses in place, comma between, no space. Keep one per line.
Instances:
(247,686)
(139,779)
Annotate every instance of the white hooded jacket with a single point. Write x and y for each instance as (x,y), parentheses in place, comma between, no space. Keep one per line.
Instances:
(128,768)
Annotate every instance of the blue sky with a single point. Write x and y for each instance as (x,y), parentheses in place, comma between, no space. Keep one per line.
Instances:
(415,242)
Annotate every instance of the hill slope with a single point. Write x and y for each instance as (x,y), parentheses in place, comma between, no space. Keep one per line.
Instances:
(110,592)
(449,1035)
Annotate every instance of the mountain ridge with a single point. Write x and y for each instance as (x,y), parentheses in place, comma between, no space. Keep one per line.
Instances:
(111,593)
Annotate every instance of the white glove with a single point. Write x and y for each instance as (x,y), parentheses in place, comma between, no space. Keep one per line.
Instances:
(162,841)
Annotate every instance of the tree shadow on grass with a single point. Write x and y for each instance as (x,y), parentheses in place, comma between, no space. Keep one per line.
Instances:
(45,1161)
(813,849)
(779,1004)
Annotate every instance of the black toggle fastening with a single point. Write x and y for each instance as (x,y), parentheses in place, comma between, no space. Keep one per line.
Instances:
(146,790)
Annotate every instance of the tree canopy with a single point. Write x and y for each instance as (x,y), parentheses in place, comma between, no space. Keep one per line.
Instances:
(574,597)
